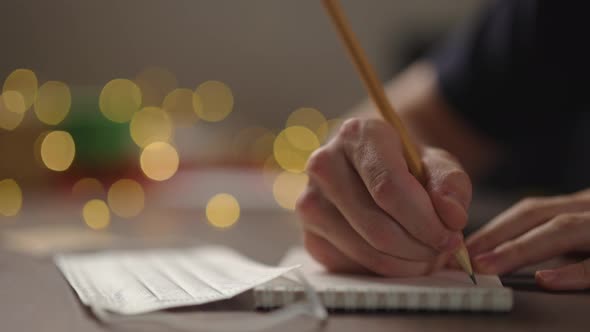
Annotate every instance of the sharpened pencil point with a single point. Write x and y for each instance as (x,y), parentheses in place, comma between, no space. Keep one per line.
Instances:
(472,276)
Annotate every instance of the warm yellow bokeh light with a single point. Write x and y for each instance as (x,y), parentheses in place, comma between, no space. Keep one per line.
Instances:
(96,214)
(151,124)
(155,83)
(126,198)
(159,161)
(215,99)
(287,187)
(180,105)
(293,146)
(254,143)
(9,120)
(307,117)
(58,150)
(88,188)
(119,100)
(53,102)
(223,210)
(328,129)
(11,198)
(23,81)
(14,101)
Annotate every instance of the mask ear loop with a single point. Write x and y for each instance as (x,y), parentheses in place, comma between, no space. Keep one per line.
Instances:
(310,307)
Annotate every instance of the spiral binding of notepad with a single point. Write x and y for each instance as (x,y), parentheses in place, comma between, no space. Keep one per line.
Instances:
(443,299)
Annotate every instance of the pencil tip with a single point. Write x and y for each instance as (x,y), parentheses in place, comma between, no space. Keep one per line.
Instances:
(472,276)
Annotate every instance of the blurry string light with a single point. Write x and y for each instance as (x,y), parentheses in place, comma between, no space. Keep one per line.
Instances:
(96,214)
(309,118)
(88,188)
(159,161)
(53,102)
(126,198)
(287,187)
(14,101)
(180,105)
(25,83)
(223,210)
(151,124)
(293,146)
(254,143)
(213,101)
(155,83)
(58,150)
(119,100)
(11,198)
(9,120)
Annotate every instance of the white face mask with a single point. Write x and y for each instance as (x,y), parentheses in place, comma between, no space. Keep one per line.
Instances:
(128,282)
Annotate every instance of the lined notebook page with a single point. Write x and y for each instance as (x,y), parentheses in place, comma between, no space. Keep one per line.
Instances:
(446,290)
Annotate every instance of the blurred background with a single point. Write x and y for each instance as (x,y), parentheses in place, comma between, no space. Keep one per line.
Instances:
(111,110)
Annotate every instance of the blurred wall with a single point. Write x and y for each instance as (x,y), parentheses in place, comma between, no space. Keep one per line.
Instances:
(277,55)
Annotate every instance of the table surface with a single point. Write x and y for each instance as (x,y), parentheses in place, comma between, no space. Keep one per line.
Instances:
(35,297)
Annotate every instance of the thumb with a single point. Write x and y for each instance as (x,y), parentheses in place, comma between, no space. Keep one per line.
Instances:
(449,187)
(569,277)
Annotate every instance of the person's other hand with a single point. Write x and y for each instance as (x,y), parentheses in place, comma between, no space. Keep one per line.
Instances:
(535,230)
(363,211)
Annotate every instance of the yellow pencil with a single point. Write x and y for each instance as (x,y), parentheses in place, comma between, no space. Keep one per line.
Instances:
(377,94)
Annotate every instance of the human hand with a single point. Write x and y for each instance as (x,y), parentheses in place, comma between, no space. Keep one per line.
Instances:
(364,211)
(535,230)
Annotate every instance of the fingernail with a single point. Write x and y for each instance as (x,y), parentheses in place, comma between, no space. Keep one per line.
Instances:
(452,242)
(547,275)
(486,262)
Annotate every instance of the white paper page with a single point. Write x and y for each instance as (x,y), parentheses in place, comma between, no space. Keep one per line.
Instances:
(131,282)
(446,279)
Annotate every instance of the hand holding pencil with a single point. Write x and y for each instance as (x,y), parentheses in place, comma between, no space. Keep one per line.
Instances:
(374,202)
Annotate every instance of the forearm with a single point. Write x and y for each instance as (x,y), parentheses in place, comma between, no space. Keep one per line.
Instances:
(415,96)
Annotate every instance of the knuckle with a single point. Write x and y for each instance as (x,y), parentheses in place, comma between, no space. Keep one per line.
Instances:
(529,208)
(319,162)
(351,128)
(567,222)
(380,239)
(381,187)
(308,201)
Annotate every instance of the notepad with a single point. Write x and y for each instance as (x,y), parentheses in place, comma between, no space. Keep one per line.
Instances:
(447,290)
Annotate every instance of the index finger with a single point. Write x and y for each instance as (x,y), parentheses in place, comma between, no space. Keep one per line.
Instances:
(374,149)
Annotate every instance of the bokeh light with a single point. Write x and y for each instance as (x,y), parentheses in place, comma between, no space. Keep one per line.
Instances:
(53,102)
(58,150)
(255,143)
(293,146)
(119,100)
(11,198)
(96,214)
(307,117)
(180,105)
(159,161)
(213,101)
(155,83)
(9,120)
(287,187)
(14,101)
(88,188)
(151,124)
(23,81)
(223,210)
(126,198)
